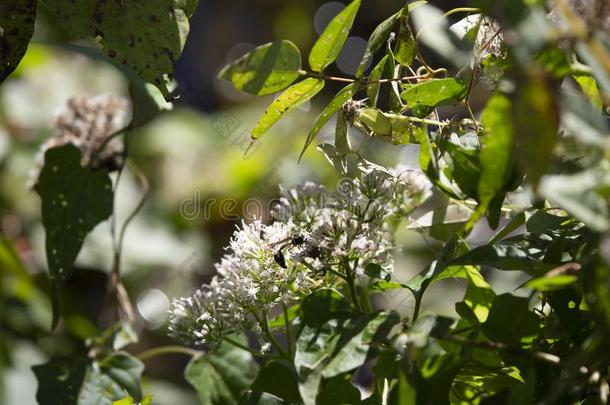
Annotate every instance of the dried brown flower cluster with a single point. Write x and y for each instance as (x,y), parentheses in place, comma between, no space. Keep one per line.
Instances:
(88,123)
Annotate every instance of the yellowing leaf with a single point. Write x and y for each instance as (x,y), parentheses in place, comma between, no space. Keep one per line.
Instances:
(286,102)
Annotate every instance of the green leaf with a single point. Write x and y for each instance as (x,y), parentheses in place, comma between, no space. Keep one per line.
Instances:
(124,336)
(148,37)
(405,43)
(74,200)
(496,147)
(339,390)
(435,92)
(475,381)
(265,70)
(222,377)
(260,398)
(376,41)
(291,98)
(322,305)
(342,142)
(279,379)
(147,400)
(552,283)
(375,120)
(336,347)
(589,88)
(510,320)
(372,89)
(82,382)
(535,125)
(355,344)
(382,285)
(336,103)
(504,257)
(16,28)
(329,45)
(479,296)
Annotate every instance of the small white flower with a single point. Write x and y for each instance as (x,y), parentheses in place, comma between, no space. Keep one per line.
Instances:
(265,348)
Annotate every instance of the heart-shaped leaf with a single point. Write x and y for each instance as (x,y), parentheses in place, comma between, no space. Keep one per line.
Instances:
(74,200)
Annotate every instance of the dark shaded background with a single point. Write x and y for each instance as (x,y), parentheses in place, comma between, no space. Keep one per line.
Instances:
(219,25)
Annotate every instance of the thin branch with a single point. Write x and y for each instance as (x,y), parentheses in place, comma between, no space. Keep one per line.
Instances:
(544,357)
(462,10)
(145,191)
(158,351)
(242,347)
(288,332)
(325,77)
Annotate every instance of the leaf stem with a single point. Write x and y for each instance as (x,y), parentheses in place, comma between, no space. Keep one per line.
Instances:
(158,351)
(289,343)
(544,357)
(264,323)
(242,347)
(325,77)
(462,10)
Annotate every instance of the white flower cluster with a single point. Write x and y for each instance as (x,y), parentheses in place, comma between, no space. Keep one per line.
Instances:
(350,228)
(314,231)
(249,284)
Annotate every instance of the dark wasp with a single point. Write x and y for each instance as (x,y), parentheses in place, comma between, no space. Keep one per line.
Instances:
(309,244)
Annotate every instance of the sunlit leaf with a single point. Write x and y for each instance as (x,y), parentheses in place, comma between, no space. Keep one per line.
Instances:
(290,99)
(342,142)
(376,121)
(405,43)
(372,89)
(148,37)
(376,41)
(435,92)
(552,283)
(329,45)
(265,70)
(336,103)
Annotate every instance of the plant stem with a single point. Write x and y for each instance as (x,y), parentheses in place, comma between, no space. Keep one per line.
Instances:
(351,285)
(158,351)
(544,357)
(264,323)
(325,77)
(289,343)
(241,346)
(462,10)
(416,308)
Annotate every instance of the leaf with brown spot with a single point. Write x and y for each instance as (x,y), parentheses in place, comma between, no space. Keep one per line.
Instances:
(159,27)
